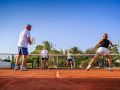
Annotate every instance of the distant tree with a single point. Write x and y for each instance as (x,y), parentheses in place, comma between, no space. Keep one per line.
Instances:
(54,51)
(113,50)
(75,50)
(37,49)
(90,51)
(47,45)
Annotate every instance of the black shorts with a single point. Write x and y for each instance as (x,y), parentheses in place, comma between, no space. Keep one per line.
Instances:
(69,59)
(44,58)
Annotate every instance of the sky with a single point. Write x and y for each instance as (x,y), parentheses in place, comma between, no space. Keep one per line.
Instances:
(65,23)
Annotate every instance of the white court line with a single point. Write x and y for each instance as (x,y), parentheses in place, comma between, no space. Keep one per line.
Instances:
(57,74)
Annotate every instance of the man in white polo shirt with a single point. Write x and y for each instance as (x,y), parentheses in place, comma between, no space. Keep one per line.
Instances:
(24,40)
(45,57)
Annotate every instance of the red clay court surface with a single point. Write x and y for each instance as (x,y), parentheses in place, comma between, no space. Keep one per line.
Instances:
(61,79)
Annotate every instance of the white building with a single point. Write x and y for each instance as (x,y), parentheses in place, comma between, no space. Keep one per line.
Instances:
(4,64)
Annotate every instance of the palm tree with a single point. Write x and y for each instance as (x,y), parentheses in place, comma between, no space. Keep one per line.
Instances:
(47,45)
(75,50)
(90,51)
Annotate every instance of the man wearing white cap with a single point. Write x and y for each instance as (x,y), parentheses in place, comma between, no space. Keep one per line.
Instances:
(24,40)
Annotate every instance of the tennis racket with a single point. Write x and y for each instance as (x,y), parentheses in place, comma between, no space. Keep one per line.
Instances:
(33,40)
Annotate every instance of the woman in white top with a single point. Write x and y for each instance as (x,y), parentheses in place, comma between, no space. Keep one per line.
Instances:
(69,59)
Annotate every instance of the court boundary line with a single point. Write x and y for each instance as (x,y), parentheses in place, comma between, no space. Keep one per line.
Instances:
(57,74)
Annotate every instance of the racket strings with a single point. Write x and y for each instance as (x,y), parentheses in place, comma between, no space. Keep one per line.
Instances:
(33,40)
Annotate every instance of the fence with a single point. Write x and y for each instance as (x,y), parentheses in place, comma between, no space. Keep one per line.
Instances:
(60,61)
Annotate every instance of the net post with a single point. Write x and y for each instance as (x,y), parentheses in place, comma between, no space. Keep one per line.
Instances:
(41,64)
(12,61)
(38,61)
(57,61)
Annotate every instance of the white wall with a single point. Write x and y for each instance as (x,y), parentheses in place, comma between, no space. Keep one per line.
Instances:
(4,64)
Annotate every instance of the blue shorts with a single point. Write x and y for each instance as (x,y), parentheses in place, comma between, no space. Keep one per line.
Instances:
(22,51)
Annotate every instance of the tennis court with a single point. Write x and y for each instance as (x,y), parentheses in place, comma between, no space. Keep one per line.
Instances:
(60,79)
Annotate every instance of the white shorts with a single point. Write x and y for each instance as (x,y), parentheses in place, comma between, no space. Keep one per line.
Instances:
(103,51)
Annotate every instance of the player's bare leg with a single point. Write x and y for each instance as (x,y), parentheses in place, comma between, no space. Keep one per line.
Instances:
(71,66)
(17,62)
(109,61)
(23,68)
(95,58)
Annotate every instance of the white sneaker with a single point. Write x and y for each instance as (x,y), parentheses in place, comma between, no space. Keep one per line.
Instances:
(110,69)
(16,67)
(88,67)
(23,69)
